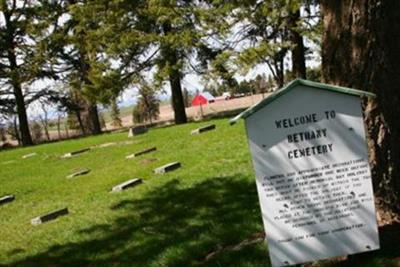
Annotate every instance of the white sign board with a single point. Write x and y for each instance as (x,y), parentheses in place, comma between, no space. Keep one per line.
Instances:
(313,176)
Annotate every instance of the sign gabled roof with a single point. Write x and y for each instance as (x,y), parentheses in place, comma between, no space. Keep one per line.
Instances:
(322,86)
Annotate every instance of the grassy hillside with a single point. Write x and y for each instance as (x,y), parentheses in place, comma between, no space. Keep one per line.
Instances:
(204,214)
(174,219)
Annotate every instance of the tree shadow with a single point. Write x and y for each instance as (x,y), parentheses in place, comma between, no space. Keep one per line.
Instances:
(388,253)
(172,225)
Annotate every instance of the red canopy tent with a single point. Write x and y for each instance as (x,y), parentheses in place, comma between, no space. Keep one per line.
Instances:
(202,99)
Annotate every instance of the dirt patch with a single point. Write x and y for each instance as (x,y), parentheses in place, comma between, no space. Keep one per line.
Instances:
(147,161)
(256,238)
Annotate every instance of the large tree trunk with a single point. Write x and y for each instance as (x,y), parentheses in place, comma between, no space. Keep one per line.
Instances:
(277,67)
(15,77)
(26,138)
(178,103)
(298,58)
(360,49)
(94,122)
(171,58)
(80,122)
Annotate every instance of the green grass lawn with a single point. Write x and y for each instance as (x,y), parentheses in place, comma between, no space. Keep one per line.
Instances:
(175,219)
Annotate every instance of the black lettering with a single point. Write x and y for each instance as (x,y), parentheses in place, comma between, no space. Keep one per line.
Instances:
(314,117)
(285,124)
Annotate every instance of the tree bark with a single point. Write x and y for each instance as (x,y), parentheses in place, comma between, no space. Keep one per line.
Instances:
(95,127)
(171,58)
(92,115)
(298,57)
(360,49)
(277,67)
(26,138)
(80,122)
(178,103)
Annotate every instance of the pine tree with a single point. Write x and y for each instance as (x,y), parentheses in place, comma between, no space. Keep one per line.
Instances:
(148,106)
(73,55)
(266,32)
(115,114)
(173,31)
(19,64)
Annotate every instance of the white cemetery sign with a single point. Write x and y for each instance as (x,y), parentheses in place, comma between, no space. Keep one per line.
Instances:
(310,157)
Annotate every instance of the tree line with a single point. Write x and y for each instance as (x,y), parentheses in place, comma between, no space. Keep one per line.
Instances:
(95,49)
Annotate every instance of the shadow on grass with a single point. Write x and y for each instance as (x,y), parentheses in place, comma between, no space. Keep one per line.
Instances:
(171,225)
(388,255)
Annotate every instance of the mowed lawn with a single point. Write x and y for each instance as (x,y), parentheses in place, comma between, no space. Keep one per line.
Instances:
(175,219)
(205,213)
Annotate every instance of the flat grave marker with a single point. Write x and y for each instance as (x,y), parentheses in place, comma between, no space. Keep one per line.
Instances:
(167,167)
(29,155)
(78,173)
(107,145)
(49,216)
(142,152)
(74,153)
(8,162)
(7,199)
(309,153)
(203,129)
(125,143)
(137,130)
(127,184)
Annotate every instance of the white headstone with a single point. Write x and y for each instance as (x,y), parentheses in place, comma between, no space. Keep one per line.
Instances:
(78,173)
(313,177)
(203,129)
(167,167)
(8,162)
(73,153)
(107,144)
(142,152)
(29,155)
(127,184)
(6,199)
(141,129)
(49,216)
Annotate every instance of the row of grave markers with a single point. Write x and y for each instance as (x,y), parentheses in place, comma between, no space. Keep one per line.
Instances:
(118,188)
